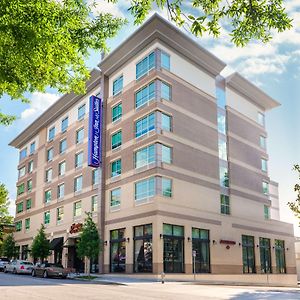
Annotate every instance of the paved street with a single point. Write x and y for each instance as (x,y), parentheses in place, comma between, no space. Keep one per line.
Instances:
(27,288)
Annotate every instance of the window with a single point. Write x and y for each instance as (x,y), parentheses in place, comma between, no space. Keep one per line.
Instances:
(166,154)
(145,65)
(21,189)
(23,153)
(29,185)
(77,209)
(47,217)
(78,184)
(116,112)
(60,214)
(61,191)
(78,159)
(61,168)
(143,248)
(265,188)
(116,140)
(28,204)
(19,226)
(267,212)
(222,149)
(145,189)
(81,112)
(145,95)
(280,256)
(79,135)
(51,134)
(166,122)
(224,177)
(63,146)
(64,124)
(221,123)
(225,205)
(264,166)
(248,254)
(94,203)
(118,85)
(265,255)
(262,142)
(19,207)
(261,118)
(165,60)
(48,196)
(27,224)
(115,197)
(30,166)
(48,177)
(117,250)
(95,176)
(50,154)
(144,156)
(116,168)
(32,147)
(21,172)
(165,91)
(166,187)
(200,244)
(145,125)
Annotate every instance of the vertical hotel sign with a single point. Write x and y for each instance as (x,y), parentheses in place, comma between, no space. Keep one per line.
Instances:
(95,132)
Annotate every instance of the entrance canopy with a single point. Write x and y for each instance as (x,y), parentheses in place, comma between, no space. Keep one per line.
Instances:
(56,243)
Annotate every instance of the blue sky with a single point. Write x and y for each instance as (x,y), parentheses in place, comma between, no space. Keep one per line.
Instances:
(274,67)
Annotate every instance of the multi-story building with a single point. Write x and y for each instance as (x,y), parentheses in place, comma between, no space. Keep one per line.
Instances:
(184,185)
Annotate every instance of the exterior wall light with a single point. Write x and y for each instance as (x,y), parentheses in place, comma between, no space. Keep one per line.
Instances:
(214,242)
(189,239)
(128,240)
(160,236)
(105,243)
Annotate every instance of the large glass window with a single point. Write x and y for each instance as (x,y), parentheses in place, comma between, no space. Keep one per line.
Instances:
(95,176)
(166,184)
(61,168)
(18,226)
(21,172)
(265,255)
(222,149)
(118,85)
(78,184)
(144,156)
(47,217)
(165,60)
(145,189)
(145,95)
(145,65)
(21,188)
(221,123)
(30,166)
(264,166)
(79,135)
(63,146)
(77,209)
(116,168)
(64,124)
(165,91)
(145,125)
(61,191)
(32,147)
(248,254)
(265,188)
(225,204)
(27,224)
(266,212)
(19,207)
(60,214)
(166,122)
(78,159)
(166,154)
(224,177)
(280,256)
(81,112)
(48,196)
(116,112)
(29,185)
(173,248)
(116,140)
(117,250)
(50,154)
(48,176)
(262,142)
(94,203)
(28,203)
(23,153)
(261,118)
(200,239)
(51,134)
(143,248)
(115,197)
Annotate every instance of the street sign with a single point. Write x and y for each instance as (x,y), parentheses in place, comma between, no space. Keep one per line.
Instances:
(194,253)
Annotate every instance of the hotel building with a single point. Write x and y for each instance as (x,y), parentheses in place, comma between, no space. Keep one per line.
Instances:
(185,168)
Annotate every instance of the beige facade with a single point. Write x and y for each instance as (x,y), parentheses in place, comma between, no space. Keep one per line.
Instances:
(160,183)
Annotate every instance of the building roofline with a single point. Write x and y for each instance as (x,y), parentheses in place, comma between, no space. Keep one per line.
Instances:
(56,109)
(154,28)
(240,84)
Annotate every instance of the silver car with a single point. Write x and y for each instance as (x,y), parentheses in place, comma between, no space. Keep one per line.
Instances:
(3,262)
(19,267)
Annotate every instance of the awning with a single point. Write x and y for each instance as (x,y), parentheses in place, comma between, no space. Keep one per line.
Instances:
(56,243)
(70,242)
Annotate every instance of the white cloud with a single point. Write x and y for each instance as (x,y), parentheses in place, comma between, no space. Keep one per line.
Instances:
(39,103)
(103,6)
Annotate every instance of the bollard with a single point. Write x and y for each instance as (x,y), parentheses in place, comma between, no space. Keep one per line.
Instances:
(162,277)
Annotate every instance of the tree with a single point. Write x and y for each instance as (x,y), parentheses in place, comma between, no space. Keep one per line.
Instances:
(40,248)
(89,242)
(295,205)
(9,248)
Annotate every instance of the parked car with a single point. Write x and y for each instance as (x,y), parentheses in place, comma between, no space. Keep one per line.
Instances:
(3,262)
(19,267)
(49,270)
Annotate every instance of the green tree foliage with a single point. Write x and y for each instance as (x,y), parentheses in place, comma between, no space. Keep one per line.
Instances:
(44,43)
(9,248)
(295,205)
(89,242)
(40,248)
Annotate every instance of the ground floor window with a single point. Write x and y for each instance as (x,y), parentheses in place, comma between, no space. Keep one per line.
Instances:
(24,252)
(265,255)
(173,236)
(248,254)
(280,256)
(117,250)
(200,241)
(143,248)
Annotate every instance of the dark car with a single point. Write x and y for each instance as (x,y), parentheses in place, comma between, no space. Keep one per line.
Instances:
(3,262)
(49,270)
